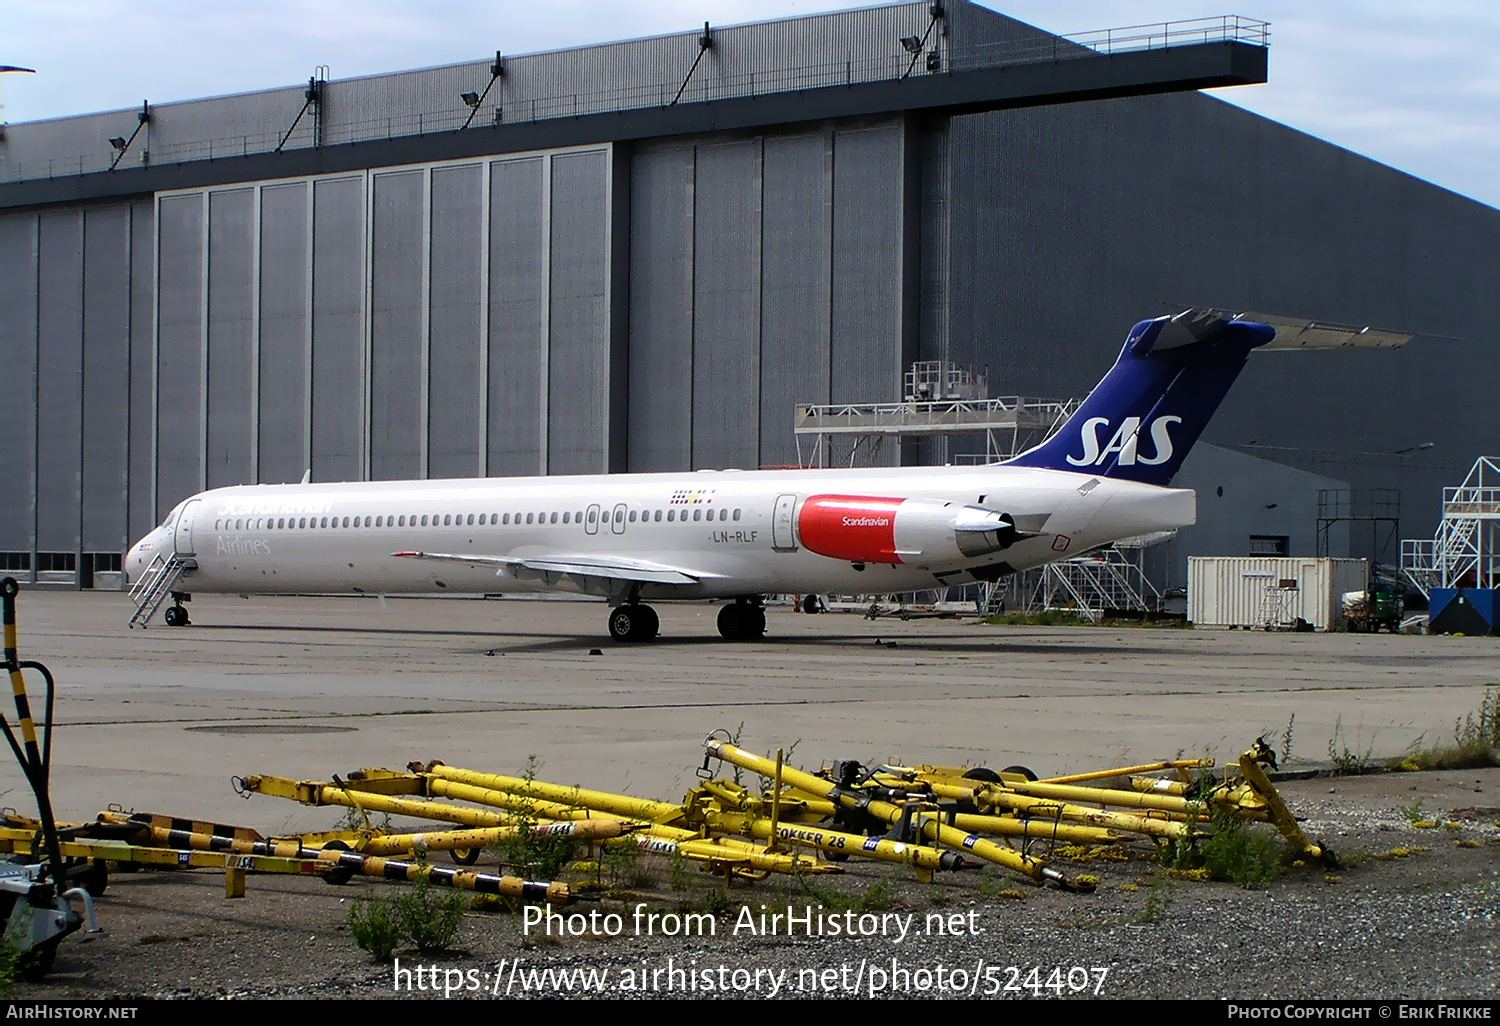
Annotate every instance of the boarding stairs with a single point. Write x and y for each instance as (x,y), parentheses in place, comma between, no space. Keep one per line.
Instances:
(155,584)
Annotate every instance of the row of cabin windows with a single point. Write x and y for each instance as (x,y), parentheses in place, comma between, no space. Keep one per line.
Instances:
(450,520)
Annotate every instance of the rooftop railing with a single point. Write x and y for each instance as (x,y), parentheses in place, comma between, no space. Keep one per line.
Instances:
(510,108)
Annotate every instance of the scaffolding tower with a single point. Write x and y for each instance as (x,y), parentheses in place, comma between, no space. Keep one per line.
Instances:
(1112,579)
(1465,551)
(1377,508)
(941,399)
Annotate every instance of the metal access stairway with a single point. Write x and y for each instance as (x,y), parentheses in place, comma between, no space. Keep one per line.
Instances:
(1086,585)
(155,584)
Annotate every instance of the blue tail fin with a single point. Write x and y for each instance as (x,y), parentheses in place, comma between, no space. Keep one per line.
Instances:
(1141,420)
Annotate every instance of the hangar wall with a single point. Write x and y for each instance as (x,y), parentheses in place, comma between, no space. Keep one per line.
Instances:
(355,324)
(1072,222)
(582,310)
(764,272)
(664,304)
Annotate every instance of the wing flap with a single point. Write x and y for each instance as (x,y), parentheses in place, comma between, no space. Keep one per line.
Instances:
(619,568)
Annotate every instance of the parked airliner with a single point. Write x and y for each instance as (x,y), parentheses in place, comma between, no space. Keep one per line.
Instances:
(740,535)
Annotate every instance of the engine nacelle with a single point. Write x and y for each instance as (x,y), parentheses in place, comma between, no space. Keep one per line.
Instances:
(876,529)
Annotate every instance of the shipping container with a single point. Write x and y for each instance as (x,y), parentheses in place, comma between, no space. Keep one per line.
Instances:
(1271,593)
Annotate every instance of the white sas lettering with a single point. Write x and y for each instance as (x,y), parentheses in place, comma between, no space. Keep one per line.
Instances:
(1161,440)
(1125,442)
(1090,433)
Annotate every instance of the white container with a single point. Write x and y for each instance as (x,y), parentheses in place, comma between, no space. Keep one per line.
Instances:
(1271,591)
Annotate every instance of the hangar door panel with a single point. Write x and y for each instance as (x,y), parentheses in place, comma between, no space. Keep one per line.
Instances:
(456,297)
(283,331)
(179,347)
(17,398)
(661,308)
(518,315)
(231,371)
(106,376)
(578,317)
(867,265)
(397,245)
(338,359)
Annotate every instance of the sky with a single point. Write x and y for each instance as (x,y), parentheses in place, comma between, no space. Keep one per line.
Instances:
(1414,85)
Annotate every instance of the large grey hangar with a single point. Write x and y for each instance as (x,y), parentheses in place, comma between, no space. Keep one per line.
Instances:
(643,255)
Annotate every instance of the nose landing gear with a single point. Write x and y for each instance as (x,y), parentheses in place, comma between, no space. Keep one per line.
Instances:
(176,614)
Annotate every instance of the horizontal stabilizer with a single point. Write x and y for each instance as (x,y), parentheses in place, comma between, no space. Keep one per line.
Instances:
(1291,332)
(1140,421)
(618,568)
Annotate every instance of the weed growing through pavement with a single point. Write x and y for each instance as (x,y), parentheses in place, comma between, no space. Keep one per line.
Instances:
(1158,901)
(1348,761)
(429,915)
(1476,741)
(374,927)
(875,896)
(1241,852)
(539,855)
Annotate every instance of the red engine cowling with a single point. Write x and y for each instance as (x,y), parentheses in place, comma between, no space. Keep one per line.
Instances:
(858,528)
(881,529)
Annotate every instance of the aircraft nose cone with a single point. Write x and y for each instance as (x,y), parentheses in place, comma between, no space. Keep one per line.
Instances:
(135,561)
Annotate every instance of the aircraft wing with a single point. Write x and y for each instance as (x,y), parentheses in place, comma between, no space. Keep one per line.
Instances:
(618,568)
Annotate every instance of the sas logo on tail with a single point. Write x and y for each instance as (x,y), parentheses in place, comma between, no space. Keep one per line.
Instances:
(1124,442)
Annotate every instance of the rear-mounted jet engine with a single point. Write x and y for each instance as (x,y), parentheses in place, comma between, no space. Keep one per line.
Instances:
(872,529)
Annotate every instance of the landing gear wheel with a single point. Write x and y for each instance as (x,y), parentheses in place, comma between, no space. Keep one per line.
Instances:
(621,623)
(742,621)
(650,624)
(464,856)
(633,623)
(176,616)
(812,604)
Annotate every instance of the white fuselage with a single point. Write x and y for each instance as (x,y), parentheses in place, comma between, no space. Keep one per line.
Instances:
(737,533)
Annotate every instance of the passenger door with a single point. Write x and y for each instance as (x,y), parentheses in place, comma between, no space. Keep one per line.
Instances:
(182,538)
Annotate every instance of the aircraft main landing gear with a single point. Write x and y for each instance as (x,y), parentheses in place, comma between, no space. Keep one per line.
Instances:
(742,621)
(633,622)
